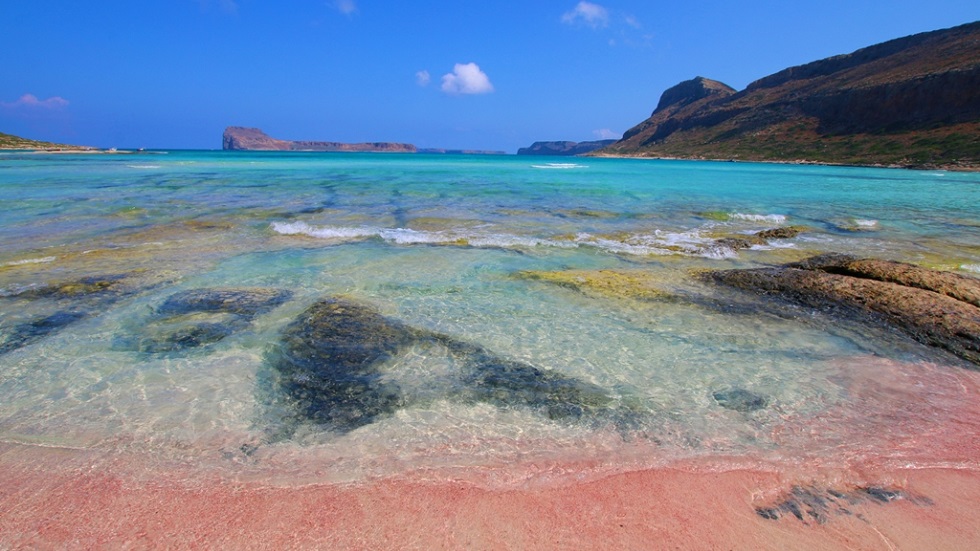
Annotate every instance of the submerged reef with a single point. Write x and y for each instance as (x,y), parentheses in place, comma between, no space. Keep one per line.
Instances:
(331,360)
(198,317)
(935,308)
(60,304)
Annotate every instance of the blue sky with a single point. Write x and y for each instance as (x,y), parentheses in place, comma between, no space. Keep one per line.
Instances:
(457,74)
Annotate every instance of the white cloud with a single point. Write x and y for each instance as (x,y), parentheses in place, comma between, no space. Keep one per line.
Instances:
(30,101)
(606,134)
(588,13)
(346,7)
(423,78)
(466,78)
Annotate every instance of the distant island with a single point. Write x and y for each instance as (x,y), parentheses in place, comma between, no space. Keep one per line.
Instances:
(911,102)
(564,148)
(238,138)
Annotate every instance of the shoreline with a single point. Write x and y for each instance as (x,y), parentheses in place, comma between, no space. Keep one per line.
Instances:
(85,498)
(803,162)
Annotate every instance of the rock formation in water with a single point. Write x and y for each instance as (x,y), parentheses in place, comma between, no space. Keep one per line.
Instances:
(198,317)
(561,148)
(913,101)
(940,309)
(237,138)
(331,365)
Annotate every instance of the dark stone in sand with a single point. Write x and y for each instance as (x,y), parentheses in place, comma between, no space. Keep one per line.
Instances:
(741,400)
(331,357)
(787,232)
(935,308)
(189,336)
(817,504)
(26,333)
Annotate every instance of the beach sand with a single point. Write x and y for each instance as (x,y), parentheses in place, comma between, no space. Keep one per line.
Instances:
(83,499)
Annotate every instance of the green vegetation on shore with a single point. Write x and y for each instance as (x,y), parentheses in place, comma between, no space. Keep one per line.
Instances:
(9,141)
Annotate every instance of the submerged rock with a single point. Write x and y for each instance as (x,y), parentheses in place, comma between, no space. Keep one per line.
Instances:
(739,399)
(935,308)
(331,365)
(634,284)
(198,317)
(26,333)
(248,302)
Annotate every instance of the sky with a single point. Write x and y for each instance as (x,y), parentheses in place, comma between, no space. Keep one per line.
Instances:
(459,74)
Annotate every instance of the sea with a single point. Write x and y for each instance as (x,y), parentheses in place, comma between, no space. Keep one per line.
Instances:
(579,270)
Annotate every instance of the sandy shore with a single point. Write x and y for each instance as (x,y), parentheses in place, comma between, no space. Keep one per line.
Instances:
(81,499)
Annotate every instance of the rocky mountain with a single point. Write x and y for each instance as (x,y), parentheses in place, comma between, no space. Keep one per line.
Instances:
(563,148)
(913,101)
(237,138)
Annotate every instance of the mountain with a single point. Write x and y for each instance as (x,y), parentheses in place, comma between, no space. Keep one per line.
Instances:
(913,101)
(237,138)
(9,141)
(563,148)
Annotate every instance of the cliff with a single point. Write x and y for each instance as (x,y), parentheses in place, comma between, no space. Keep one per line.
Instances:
(237,138)
(913,101)
(563,148)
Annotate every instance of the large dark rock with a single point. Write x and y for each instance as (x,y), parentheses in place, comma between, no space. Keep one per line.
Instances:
(248,302)
(934,308)
(331,366)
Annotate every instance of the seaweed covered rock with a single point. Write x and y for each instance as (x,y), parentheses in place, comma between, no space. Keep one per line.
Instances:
(935,308)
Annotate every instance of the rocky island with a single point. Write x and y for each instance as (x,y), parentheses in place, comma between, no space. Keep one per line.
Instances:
(237,138)
(912,102)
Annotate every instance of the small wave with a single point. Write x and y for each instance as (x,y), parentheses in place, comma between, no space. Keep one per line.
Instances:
(560,166)
(143,166)
(866,224)
(31,261)
(768,218)
(975,268)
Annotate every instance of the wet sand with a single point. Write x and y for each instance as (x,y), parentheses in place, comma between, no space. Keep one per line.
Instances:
(84,499)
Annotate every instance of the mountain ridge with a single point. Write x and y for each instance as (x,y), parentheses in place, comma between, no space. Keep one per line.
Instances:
(912,101)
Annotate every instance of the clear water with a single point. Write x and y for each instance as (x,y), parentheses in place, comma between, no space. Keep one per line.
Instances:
(444,244)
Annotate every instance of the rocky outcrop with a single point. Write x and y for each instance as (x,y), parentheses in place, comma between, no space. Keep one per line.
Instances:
(561,148)
(237,138)
(331,365)
(935,308)
(913,101)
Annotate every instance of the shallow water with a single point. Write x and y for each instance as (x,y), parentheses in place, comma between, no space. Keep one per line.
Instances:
(92,246)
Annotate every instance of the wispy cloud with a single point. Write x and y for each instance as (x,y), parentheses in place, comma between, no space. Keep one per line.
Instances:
(466,78)
(346,7)
(422,78)
(30,102)
(587,13)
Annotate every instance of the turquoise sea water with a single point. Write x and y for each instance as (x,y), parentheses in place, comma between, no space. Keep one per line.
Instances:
(497,252)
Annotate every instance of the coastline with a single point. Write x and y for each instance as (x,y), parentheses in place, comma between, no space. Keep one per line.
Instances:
(805,162)
(56,497)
